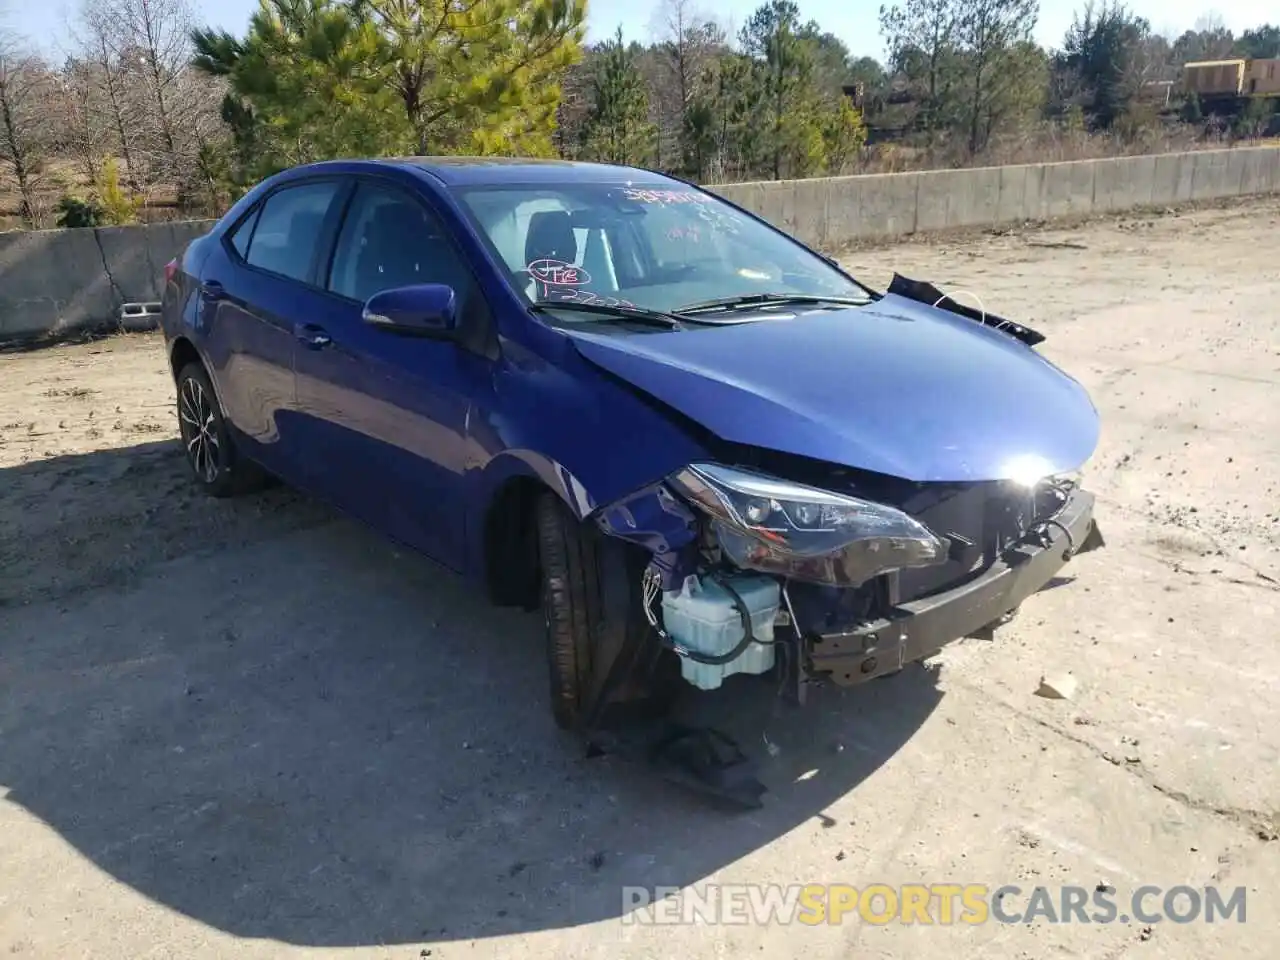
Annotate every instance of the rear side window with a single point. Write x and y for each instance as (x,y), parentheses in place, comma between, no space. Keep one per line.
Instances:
(288,230)
(243,233)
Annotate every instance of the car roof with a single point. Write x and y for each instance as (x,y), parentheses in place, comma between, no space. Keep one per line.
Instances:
(458,171)
(467,171)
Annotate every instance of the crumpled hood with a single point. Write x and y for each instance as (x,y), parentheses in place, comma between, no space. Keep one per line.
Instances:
(895,387)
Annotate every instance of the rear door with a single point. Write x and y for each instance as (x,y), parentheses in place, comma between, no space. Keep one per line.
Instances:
(390,411)
(259,295)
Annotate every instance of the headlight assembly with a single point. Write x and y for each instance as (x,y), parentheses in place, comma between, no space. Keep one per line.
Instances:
(805,533)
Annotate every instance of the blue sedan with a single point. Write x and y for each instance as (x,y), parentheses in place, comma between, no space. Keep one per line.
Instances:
(701,448)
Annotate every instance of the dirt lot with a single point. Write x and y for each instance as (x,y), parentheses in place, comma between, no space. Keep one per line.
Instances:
(251,728)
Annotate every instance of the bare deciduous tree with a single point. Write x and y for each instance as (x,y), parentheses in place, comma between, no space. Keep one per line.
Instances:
(162,115)
(156,35)
(205,139)
(575,105)
(688,43)
(113,90)
(25,124)
(87,132)
(1216,39)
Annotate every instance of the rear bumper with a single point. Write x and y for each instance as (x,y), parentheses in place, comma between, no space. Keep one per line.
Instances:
(920,628)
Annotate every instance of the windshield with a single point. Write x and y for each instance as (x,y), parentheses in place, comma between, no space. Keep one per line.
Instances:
(650,249)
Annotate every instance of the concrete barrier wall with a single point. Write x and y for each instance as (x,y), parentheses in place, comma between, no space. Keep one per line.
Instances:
(61,281)
(838,210)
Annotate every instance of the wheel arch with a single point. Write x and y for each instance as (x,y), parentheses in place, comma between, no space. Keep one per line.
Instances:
(504,544)
(182,352)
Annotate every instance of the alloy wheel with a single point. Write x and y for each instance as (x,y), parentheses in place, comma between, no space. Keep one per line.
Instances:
(199,431)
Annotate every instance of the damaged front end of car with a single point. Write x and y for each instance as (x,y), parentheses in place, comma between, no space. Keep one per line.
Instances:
(839,576)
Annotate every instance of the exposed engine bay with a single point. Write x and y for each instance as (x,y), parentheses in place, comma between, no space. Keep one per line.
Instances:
(748,571)
(844,578)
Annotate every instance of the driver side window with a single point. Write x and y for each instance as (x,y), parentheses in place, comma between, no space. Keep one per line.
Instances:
(388,240)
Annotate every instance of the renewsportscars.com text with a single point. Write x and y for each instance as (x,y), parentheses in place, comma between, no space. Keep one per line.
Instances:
(939,903)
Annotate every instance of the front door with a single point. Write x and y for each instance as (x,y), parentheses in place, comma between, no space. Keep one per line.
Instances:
(387,414)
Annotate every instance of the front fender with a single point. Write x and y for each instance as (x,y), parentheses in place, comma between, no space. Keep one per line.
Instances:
(531,464)
(575,430)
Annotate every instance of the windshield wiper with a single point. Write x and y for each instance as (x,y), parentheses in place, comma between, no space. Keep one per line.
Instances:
(767,299)
(639,315)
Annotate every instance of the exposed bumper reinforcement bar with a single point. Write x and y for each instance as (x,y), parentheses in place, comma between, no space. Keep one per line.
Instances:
(920,628)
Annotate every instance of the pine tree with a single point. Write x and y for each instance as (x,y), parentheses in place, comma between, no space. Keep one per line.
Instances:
(618,128)
(481,76)
(318,79)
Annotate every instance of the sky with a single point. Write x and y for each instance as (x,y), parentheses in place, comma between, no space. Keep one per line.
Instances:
(856,22)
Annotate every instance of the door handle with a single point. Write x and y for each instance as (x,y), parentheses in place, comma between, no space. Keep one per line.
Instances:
(212,290)
(312,336)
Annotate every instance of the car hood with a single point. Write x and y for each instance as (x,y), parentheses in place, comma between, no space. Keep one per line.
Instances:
(895,387)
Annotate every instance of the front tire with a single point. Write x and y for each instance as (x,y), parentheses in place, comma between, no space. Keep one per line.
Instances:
(601,650)
(207,443)
(571,606)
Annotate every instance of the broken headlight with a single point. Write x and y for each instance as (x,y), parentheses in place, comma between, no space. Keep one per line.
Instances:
(804,533)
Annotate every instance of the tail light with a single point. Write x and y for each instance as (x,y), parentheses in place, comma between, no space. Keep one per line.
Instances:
(170,269)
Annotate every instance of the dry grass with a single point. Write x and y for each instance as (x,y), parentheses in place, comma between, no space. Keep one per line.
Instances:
(60,177)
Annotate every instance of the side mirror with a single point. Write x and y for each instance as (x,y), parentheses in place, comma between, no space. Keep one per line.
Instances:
(424,310)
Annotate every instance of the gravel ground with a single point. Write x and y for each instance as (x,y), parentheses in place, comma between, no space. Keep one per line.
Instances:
(255,729)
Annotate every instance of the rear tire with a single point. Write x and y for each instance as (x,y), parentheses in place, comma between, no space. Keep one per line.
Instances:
(215,464)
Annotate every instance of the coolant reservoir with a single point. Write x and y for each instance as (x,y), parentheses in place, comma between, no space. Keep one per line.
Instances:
(701,616)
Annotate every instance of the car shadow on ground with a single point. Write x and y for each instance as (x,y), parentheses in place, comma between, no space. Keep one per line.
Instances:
(317,737)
